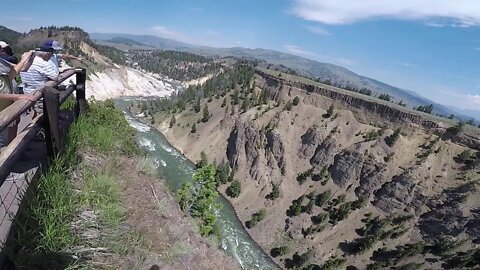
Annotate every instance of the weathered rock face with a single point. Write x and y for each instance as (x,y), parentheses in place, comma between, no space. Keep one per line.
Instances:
(400,194)
(243,145)
(324,153)
(275,151)
(389,112)
(310,141)
(346,168)
(443,221)
(473,225)
(446,217)
(371,177)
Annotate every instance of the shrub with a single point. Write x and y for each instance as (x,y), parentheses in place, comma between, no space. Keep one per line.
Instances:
(206,114)
(203,160)
(275,192)
(390,140)
(173,121)
(194,128)
(302,177)
(288,106)
(371,135)
(466,156)
(279,251)
(296,100)
(234,189)
(455,130)
(386,97)
(256,218)
(298,260)
(296,208)
(329,112)
(340,213)
(222,173)
(323,198)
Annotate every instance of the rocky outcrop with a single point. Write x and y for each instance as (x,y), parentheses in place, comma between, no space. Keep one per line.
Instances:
(324,153)
(346,167)
(310,140)
(446,217)
(443,221)
(275,151)
(378,107)
(242,146)
(400,194)
(371,178)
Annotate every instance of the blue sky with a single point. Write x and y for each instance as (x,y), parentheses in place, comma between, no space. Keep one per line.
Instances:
(431,47)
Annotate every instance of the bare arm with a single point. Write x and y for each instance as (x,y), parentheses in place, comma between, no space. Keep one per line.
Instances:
(25,62)
(17,97)
(69,57)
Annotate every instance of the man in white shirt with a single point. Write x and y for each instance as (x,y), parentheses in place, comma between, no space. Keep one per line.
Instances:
(42,69)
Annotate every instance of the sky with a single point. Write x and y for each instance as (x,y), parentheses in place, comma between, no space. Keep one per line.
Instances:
(431,47)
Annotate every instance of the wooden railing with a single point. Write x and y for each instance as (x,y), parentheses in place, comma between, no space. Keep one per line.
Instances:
(12,189)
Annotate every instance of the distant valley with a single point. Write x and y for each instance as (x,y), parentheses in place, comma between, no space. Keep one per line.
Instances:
(337,75)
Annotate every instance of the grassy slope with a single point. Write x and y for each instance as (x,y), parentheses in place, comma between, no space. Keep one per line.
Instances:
(87,213)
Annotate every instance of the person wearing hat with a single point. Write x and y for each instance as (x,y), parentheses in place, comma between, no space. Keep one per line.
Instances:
(42,69)
(6,53)
(56,57)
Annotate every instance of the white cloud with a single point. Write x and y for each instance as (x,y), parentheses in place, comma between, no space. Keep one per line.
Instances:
(299,51)
(165,32)
(459,13)
(406,64)
(474,99)
(318,30)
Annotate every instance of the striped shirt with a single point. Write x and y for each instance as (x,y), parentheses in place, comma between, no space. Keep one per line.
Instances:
(38,74)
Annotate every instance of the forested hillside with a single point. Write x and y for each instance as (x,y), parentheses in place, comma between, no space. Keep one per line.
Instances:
(180,66)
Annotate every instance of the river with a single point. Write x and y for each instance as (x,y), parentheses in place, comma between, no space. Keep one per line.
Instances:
(175,169)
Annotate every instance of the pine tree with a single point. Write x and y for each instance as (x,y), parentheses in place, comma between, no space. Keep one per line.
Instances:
(245,104)
(197,106)
(203,160)
(206,114)
(173,121)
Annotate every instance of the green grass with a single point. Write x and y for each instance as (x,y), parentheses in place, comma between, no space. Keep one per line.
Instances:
(101,193)
(44,224)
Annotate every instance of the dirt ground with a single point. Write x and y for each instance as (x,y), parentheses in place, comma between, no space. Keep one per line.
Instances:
(156,234)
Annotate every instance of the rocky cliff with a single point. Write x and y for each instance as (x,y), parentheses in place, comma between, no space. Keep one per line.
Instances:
(333,186)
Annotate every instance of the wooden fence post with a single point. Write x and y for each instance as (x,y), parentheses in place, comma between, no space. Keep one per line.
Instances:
(51,111)
(82,106)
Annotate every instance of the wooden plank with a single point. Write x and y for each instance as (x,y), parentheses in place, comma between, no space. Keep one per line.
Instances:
(51,110)
(65,94)
(12,152)
(82,106)
(12,112)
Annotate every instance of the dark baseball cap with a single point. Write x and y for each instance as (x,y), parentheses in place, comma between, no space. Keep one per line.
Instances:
(51,46)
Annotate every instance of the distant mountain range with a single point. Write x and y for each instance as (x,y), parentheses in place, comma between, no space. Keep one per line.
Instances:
(304,66)
(145,40)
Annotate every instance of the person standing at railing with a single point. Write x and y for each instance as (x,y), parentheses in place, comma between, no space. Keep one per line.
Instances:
(6,53)
(7,73)
(41,71)
(57,56)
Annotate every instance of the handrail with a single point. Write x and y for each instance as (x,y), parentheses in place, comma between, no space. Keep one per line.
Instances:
(13,190)
(12,112)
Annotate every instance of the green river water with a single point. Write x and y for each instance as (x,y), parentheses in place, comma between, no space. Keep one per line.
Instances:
(175,169)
